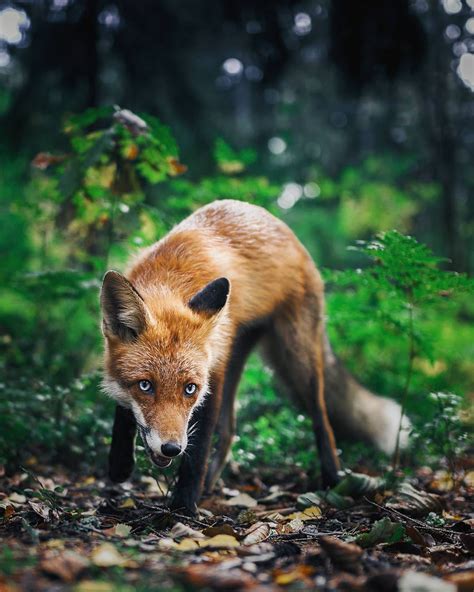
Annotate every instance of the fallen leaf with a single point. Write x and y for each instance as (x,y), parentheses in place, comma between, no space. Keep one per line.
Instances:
(256,534)
(412,581)
(243,500)
(345,556)
(382,531)
(224,541)
(311,513)
(305,500)
(127,503)
(95,586)
(187,544)
(412,501)
(300,572)
(211,577)
(66,565)
(463,580)
(16,499)
(122,530)
(106,555)
(357,485)
(442,481)
(211,531)
(182,530)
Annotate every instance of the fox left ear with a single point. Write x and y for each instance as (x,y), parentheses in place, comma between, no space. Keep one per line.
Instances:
(123,309)
(212,297)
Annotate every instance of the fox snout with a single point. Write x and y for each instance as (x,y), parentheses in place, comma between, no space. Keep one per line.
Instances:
(161,451)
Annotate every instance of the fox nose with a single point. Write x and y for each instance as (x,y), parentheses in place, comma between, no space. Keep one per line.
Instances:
(170,449)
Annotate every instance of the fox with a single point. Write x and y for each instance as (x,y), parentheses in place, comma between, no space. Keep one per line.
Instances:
(179,325)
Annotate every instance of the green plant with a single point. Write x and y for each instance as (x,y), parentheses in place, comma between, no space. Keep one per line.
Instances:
(404,280)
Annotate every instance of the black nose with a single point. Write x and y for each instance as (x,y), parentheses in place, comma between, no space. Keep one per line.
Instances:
(170,449)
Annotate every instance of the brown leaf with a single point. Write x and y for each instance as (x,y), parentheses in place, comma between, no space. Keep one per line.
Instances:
(211,531)
(256,534)
(414,502)
(243,500)
(182,530)
(464,580)
(66,566)
(43,160)
(176,167)
(345,556)
(299,573)
(211,576)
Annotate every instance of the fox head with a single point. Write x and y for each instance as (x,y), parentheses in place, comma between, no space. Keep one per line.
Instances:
(158,354)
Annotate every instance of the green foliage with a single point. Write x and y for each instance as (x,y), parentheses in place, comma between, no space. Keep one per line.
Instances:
(117,187)
(231,161)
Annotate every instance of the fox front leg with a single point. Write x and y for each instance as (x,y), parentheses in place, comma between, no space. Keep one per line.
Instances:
(122,450)
(194,463)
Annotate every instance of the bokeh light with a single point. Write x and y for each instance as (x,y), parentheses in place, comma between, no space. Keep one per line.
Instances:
(13,24)
(233,67)
(466,70)
(276,145)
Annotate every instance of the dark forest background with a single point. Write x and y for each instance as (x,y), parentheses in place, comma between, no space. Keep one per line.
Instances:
(345,118)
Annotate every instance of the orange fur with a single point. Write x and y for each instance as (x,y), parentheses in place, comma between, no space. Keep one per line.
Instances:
(272,280)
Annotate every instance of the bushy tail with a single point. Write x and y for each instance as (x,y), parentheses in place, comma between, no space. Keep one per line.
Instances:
(356,413)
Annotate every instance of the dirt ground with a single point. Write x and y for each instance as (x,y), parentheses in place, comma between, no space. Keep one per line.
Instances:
(370,533)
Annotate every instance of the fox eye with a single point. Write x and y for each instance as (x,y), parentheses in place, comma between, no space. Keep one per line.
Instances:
(190,389)
(145,386)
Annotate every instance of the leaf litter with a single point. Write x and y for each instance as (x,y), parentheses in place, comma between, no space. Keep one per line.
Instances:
(366,534)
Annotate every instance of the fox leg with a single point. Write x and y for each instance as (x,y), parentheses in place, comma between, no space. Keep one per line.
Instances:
(122,449)
(194,463)
(294,347)
(244,342)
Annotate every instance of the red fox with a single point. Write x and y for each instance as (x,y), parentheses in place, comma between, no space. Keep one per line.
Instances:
(179,327)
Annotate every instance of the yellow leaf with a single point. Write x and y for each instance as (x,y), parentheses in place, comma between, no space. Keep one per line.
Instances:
(187,545)
(128,503)
(93,586)
(311,513)
(122,530)
(106,555)
(224,541)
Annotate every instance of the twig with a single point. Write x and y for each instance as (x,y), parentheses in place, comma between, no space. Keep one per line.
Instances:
(419,523)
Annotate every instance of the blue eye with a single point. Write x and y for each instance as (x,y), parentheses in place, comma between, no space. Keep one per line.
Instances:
(146,386)
(190,389)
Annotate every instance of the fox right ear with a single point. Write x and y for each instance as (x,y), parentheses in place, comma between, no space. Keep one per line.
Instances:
(123,309)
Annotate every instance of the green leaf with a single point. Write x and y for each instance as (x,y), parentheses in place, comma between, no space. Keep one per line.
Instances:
(357,485)
(383,531)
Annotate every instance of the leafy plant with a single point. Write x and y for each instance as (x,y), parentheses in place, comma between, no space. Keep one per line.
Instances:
(403,281)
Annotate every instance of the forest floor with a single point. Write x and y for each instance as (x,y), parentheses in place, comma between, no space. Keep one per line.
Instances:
(59,532)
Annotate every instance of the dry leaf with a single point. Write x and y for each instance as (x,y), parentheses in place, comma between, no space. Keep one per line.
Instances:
(257,533)
(345,556)
(243,500)
(66,566)
(106,555)
(211,531)
(224,541)
(122,530)
(464,580)
(182,530)
(16,499)
(311,513)
(95,586)
(187,545)
(300,572)
(412,581)
(127,503)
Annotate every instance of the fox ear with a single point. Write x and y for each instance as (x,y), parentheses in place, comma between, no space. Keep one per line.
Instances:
(212,297)
(123,309)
